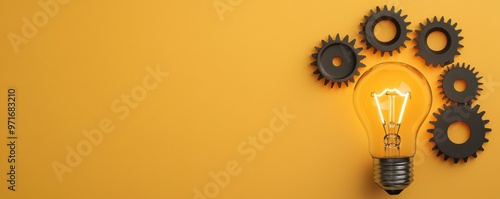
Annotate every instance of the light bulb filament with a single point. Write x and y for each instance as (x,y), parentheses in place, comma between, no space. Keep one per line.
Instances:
(391,94)
(391,127)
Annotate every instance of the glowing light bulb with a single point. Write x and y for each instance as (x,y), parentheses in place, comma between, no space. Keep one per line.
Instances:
(392,99)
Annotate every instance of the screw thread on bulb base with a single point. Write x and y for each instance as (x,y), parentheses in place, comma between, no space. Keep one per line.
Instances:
(393,174)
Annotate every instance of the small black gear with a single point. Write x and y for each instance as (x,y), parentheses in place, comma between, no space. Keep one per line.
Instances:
(342,49)
(447,54)
(457,72)
(460,113)
(381,15)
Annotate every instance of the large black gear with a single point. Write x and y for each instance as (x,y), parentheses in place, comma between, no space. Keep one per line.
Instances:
(380,15)
(461,113)
(343,49)
(457,72)
(442,57)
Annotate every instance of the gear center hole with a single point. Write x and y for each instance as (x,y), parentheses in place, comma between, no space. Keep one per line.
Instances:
(458,132)
(460,85)
(437,41)
(385,31)
(337,61)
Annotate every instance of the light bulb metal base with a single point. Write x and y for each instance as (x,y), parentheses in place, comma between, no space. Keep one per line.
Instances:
(393,174)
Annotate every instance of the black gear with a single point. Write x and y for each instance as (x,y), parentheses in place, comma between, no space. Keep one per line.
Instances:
(343,49)
(454,73)
(461,113)
(442,57)
(381,15)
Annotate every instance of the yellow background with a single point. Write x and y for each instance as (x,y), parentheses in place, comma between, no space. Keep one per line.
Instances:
(225,79)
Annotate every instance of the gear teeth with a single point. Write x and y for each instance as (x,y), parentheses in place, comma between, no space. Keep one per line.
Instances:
(323,70)
(330,39)
(352,42)
(464,113)
(358,50)
(320,77)
(476,108)
(441,111)
(396,18)
(481,114)
(469,74)
(346,39)
(368,46)
(443,57)
(446,107)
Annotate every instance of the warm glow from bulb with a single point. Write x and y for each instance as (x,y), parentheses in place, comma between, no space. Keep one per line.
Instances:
(385,93)
(391,112)
(392,99)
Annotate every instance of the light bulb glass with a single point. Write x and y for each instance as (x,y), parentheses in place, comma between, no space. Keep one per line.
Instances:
(392,99)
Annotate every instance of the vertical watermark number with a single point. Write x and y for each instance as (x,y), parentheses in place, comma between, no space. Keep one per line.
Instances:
(11,138)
